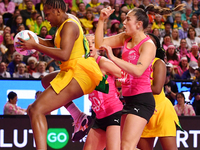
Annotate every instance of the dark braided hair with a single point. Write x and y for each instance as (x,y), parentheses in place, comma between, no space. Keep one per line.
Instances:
(160,52)
(57,4)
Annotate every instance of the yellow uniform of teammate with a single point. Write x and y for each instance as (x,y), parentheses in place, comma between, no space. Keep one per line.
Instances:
(164,120)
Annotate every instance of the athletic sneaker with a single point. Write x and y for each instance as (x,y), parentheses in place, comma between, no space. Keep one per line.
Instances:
(81,127)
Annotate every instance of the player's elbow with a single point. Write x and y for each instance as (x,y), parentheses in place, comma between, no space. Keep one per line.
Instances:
(64,57)
(157,91)
(138,73)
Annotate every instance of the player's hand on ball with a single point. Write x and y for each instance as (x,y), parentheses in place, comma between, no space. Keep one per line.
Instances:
(26,44)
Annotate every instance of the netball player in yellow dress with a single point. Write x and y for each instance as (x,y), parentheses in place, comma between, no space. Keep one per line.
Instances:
(79,75)
(164,120)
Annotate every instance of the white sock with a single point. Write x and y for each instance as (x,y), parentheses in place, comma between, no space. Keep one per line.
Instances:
(74,111)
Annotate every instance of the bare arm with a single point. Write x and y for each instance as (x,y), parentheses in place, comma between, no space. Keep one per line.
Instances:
(147,54)
(159,75)
(112,41)
(69,34)
(46,42)
(109,67)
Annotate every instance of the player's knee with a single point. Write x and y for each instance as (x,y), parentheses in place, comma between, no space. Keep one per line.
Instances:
(126,145)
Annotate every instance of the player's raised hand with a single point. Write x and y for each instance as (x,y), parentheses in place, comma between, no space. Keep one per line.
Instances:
(108,50)
(105,13)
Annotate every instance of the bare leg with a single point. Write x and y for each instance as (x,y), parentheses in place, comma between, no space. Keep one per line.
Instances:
(168,143)
(48,78)
(95,140)
(132,127)
(146,143)
(113,139)
(81,120)
(47,102)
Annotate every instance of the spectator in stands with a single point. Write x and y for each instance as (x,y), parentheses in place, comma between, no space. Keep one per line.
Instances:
(37,25)
(158,24)
(184,31)
(167,30)
(194,54)
(43,32)
(175,38)
(195,91)
(20,28)
(17,59)
(182,67)
(2,26)
(32,63)
(23,5)
(122,18)
(87,21)
(187,3)
(129,4)
(17,2)
(94,6)
(116,14)
(53,65)
(3,72)
(6,39)
(162,4)
(7,9)
(21,71)
(81,12)
(187,15)
(147,30)
(151,16)
(182,49)
(192,38)
(114,28)
(189,74)
(10,21)
(194,21)
(31,21)
(75,4)
(170,88)
(181,108)
(40,7)
(18,20)
(95,22)
(156,32)
(177,21)
(166,41)
(11,108)
(177,2)
(172,56)
(195,7)
(7,57)
(26,13)
(41,70)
